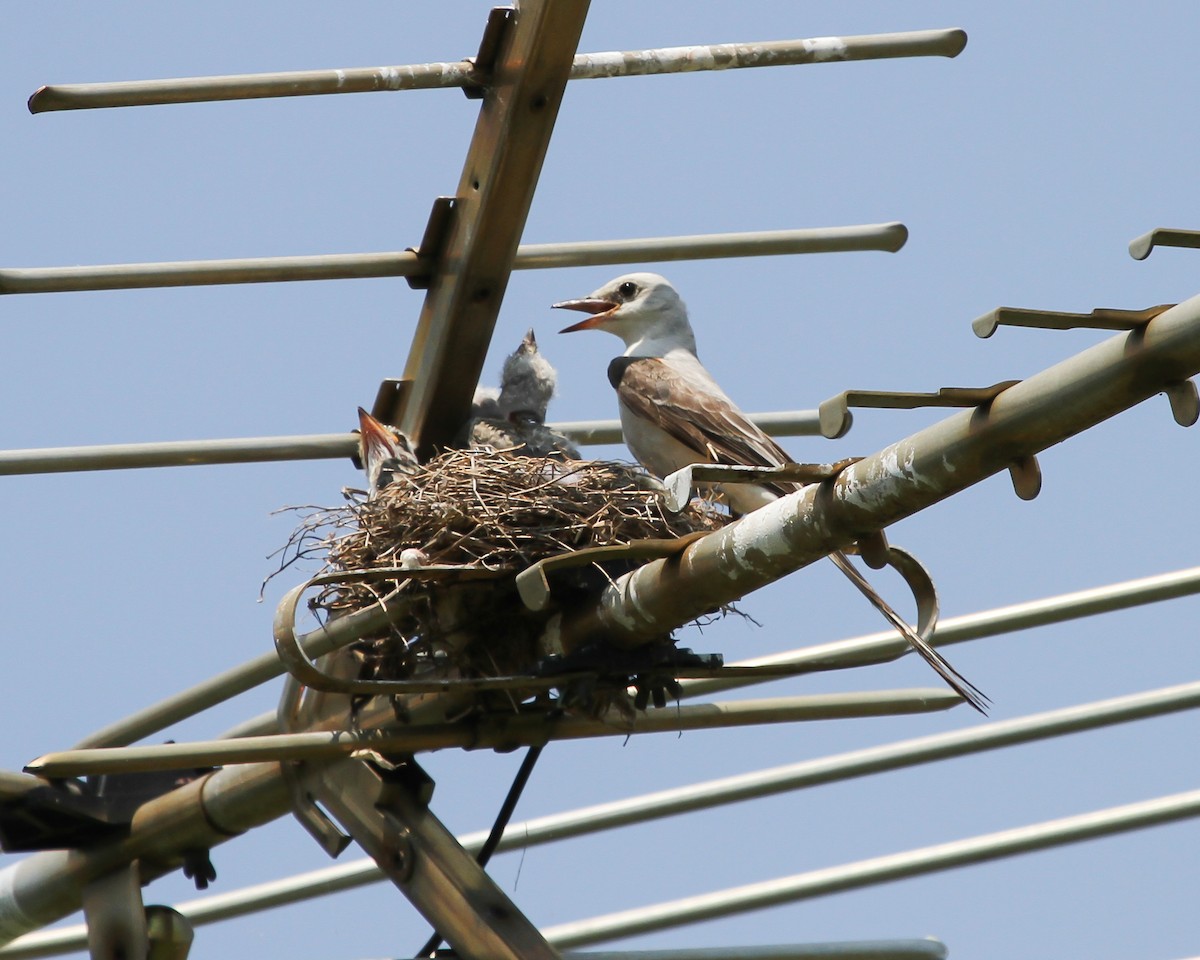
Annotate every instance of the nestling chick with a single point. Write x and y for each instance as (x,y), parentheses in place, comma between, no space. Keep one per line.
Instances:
(527,383)
(384,451)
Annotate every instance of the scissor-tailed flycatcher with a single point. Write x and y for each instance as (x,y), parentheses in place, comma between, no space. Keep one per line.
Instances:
(516,417)
(673,414)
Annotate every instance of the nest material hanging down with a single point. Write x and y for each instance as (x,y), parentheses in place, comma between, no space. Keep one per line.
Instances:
(477,508)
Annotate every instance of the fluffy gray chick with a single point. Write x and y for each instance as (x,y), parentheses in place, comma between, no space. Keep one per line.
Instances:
(527,383)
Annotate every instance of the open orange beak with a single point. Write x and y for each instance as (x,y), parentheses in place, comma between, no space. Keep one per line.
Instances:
(600,311)
(377,441)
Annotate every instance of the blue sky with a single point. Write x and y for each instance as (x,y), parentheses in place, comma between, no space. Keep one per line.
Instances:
(1022,170)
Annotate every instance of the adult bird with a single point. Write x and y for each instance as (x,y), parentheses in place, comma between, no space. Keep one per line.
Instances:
(515,417)
(673,413)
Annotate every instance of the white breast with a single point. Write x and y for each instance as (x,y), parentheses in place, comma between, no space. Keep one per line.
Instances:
(653,447)
(662,454)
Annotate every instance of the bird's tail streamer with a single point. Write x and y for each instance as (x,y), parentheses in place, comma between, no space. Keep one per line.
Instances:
(957,682)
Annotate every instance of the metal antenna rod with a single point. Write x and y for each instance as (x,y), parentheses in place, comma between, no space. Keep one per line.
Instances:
(851,876)
(463,73)
(887,237)
(322,446)
(515,731)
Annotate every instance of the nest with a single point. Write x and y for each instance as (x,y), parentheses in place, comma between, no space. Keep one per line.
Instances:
(481,511)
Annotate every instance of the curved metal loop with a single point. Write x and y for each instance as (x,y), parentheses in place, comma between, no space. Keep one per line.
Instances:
(287,644)
(533,584)
(921,584)
(925,594)
(298,665)
(304,808)
(301,673)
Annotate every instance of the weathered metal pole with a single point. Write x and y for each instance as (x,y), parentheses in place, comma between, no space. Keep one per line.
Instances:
(319,446)
(900,480)
(463,73)
(47,886)
(889,237)
(491,203)
(503,734)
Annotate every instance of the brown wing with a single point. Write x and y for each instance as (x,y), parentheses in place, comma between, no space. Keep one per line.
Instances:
(688,405)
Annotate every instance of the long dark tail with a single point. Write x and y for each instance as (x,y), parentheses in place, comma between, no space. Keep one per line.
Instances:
(958,683)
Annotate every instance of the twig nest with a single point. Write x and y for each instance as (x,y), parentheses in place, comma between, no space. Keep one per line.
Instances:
(479,509)
(501,511)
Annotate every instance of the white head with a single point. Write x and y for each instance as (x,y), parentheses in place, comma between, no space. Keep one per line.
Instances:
(526,383)
(642,309)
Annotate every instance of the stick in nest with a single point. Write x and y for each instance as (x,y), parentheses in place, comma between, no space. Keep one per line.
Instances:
(477,508)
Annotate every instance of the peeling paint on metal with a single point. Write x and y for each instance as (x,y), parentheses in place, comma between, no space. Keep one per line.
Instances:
(622,608)
(599,64)
(882,481)
(760,538)
(876,487)
(826,48)
(669,60)
(703,58)
(806,519)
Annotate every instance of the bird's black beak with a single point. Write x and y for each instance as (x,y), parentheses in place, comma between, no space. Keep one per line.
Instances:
(600,310)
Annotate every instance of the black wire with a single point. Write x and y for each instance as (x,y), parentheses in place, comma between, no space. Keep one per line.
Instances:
(498,828)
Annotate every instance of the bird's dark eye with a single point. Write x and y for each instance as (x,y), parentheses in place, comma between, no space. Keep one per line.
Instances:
(627,289)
